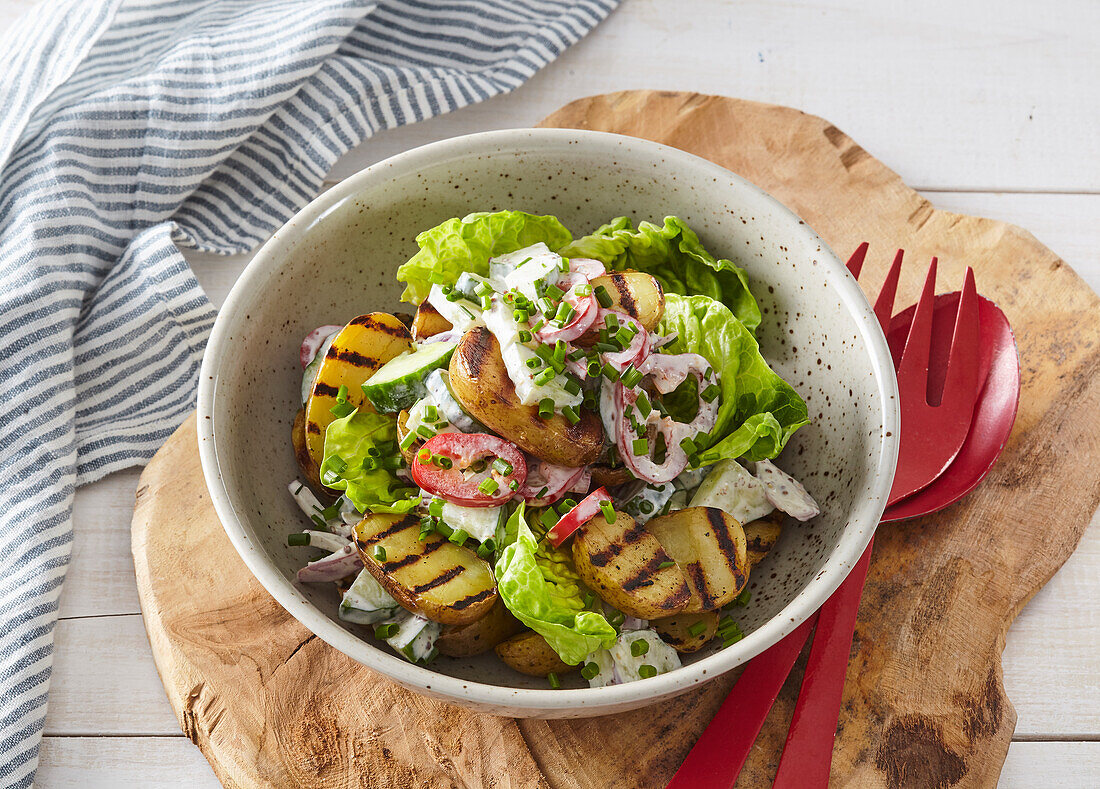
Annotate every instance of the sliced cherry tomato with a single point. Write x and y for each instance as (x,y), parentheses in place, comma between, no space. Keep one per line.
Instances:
(461,468)
(589,508)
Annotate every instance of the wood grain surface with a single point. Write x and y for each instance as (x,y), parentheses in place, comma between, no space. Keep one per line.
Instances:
(270,705)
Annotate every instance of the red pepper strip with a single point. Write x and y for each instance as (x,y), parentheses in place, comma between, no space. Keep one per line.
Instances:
(588,509)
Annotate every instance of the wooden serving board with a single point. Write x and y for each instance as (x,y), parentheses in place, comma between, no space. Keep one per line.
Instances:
(272,706)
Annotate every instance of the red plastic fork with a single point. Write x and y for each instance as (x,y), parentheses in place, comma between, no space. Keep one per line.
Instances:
(717,758)
(934,426)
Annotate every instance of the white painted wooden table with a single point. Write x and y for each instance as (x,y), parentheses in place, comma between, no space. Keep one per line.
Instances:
(989,108)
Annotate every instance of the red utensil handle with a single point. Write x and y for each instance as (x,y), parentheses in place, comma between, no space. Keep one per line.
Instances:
(717,757)
(808,753)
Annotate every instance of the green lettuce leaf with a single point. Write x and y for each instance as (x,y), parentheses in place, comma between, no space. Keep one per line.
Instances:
(466,244)
(348,442)
(759,411)
(540,587)
(674,255)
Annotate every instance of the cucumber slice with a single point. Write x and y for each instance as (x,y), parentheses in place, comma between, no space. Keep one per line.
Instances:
(366,602)
(439,385)
(309,375)
(400,382)
(415,636)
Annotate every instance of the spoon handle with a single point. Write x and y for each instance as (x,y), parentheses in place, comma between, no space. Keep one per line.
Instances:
(717,757)
(808,753)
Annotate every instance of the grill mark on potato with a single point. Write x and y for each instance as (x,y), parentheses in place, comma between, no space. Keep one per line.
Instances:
(478,350)
(400,525)
(699,581)
(626,298)
(314,428)
(721,533)
(469,600)
(644,575)
(427,308)
(412,558)
(602,557)
(325,390)
(371,322)
(354,358)
(439,580)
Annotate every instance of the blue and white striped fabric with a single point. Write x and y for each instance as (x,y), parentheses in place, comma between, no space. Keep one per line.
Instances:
(128,129)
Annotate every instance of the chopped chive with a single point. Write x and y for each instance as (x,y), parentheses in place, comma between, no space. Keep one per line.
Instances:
(688,445)
(342,394)
(611,321)
(486,302)
(435,508)
(624,337)
(447,289)
(552,678)
(603,297)
(337,464)
(545,377)
(571,414)
(297,539)
(379,553)
(617,618)
(647,507)
(583,290)
(710,393)
(443,461)
(525,336)
(520,316)
(608,511)
(484,289)
(464,309)
(549,518)
(742,599)
(453,295)
(484,550)
(590,670)
(546,408)
(459,537)
(708,374)
(554,292)
(385,631)
(606,347)
(698,628)
(546,306)
(538,324)
(502,467)
(542,493)
(593,369)
(488,486)
(645,671)
(559,351)
(663,565)
(639,647)
(408,440)
(565,313)
(631,377)
(443,528)
(640,446)
(573,386)
(534,363)
(425,432)
(478,466)
(644,406)
(319,522)
(610,373)
(513,485)
(568,504)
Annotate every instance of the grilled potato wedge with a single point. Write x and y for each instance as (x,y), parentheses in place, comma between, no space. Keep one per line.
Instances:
(528,653)
(480,382)
(709,546)
(361,347)
(428,321)
(310,472)
(402,431)
(432,577)
(761,536)
(634,293)
(676,631)
(622,563)
(479,636)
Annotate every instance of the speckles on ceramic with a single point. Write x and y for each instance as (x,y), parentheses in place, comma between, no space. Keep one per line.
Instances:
(337,258)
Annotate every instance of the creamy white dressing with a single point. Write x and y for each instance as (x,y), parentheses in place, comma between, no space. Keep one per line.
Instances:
(462,314)
(418,417)
(660,655)
(785,492)
(520,270)
(479,522)
(500,321)
(366,602)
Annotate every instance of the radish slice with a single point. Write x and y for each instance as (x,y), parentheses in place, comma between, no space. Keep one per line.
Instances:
(587,267)
(313,341)
(551,481)
(636,352)
(333,567)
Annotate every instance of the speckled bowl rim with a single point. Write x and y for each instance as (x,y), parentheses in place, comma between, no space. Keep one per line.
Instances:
(855,537)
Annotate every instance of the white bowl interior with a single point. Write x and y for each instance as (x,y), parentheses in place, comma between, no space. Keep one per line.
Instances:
(337,260)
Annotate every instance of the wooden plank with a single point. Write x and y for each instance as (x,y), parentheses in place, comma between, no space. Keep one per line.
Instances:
(104,680)
(1066,765)
(1001,92)
(123,763)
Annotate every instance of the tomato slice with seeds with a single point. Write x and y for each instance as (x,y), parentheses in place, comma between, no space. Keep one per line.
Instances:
(469,469)
(590,506)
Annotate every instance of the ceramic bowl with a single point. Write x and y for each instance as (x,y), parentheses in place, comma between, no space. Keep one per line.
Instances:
(336,259)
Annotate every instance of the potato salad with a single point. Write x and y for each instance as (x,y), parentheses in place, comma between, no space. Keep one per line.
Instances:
(564,456)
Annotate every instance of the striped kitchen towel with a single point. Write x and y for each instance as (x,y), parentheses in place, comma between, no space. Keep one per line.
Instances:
(130,129)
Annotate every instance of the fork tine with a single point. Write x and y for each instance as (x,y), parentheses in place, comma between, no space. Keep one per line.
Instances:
(884,304)
(961,382)
(913,370)
(855,262)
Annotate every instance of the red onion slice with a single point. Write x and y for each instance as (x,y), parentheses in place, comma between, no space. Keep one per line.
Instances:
(313,341)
